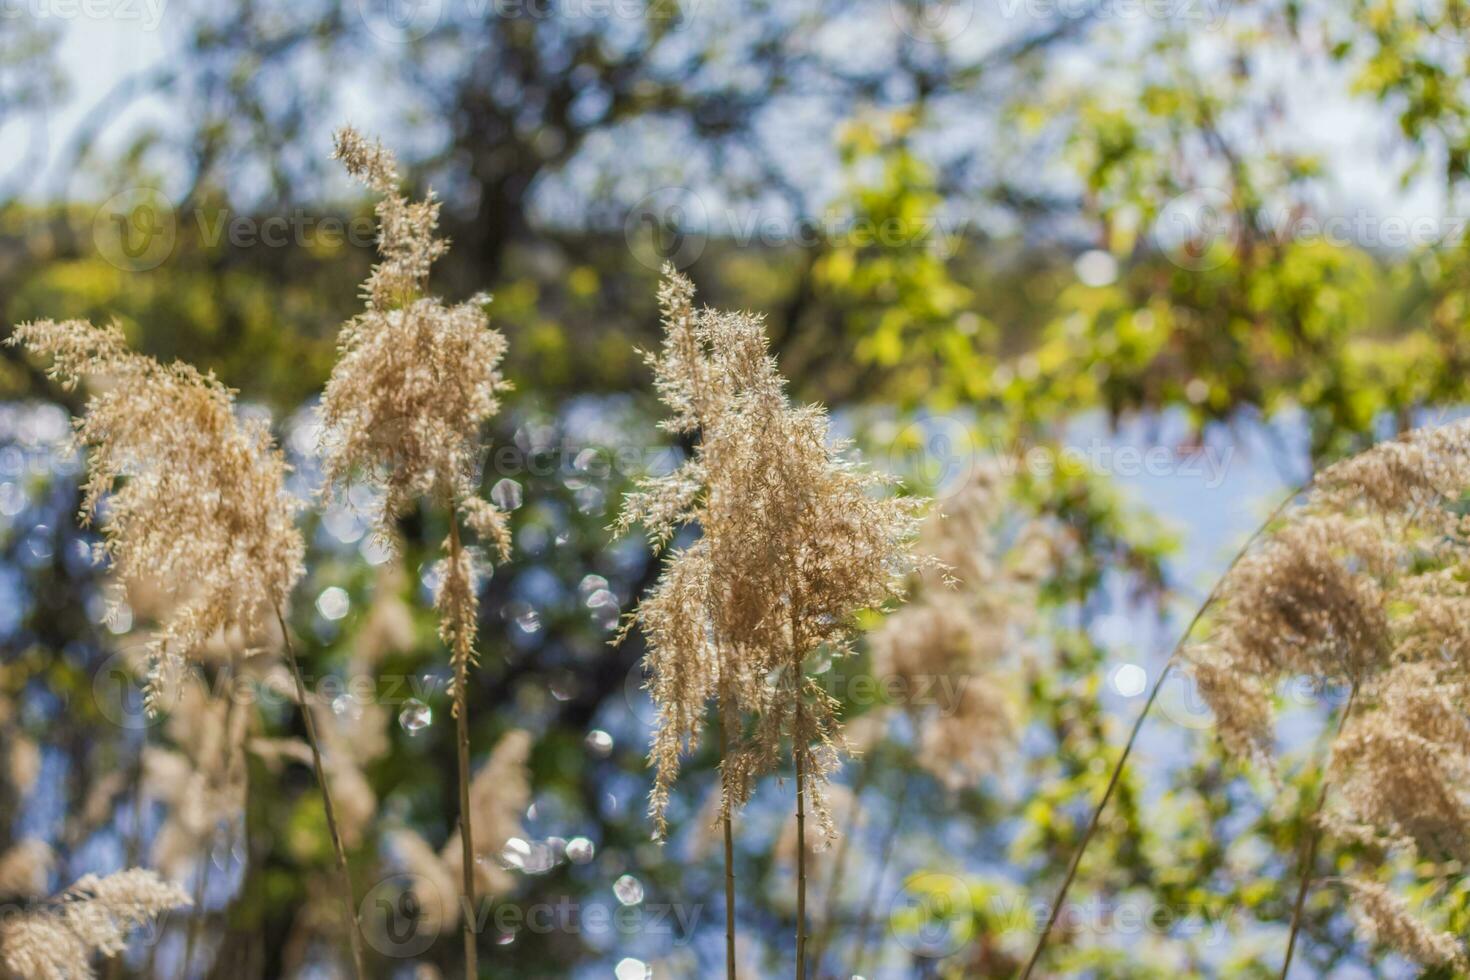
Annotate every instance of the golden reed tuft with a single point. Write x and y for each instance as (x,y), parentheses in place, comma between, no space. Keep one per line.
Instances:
(195,497)
(57,939)
(795,540)
(414,382)
(1366,584)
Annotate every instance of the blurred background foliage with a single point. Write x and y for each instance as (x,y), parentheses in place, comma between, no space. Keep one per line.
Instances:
(976,229)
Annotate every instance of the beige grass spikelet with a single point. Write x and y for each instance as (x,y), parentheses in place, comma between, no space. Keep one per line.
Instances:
(25,868)
(23,763)
(685,654)
(795,540)
(841,802)
(194,496)
(414,383)
(1365,574)
(434,885)
(1365,584)
(388,627)
(1415,472)
(415,378)
(1384,917)
(1402,764)
(58,939)
(202,782)
(952,642)
(499,795)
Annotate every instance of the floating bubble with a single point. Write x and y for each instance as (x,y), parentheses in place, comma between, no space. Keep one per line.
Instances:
(629,890)
(590,500)
(631,969)
(415,716)
(528,621)
(599,743)
(345,706)
(580,850)
(506,494)
(1129,680)
(333,603)
(12,499)
(515,853)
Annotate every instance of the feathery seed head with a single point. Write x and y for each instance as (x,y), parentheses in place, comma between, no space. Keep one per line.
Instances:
(57,940)
(1386,918)
(1402,764)
(195,496)
(795,541)
(415,379)
(1367,573)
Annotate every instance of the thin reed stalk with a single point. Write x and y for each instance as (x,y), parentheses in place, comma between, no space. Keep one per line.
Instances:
(799,752)
(885,855)
(726,796)
(1055,911)
(349,901)
(839,865)
(1309,848)
(462,735)
(134,848)
(201,880)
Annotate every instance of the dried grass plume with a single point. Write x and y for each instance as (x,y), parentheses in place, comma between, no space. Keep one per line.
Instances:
(188,492)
